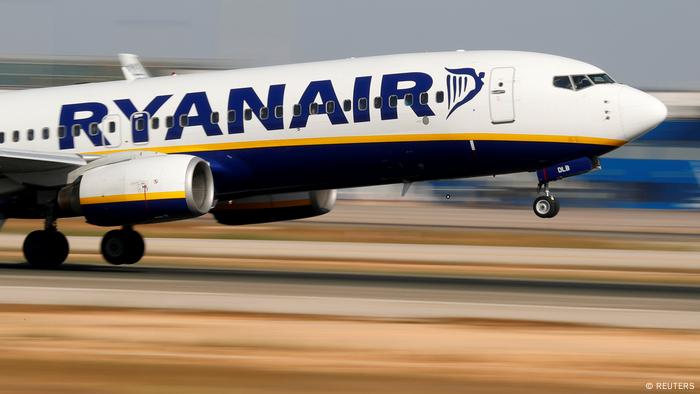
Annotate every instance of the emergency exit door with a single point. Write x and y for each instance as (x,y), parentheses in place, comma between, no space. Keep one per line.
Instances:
(501,95)
(111,131)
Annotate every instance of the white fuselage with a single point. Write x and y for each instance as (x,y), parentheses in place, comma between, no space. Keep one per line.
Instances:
(514,120)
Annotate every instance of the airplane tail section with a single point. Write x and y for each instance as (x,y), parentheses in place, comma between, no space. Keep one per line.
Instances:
(132,67)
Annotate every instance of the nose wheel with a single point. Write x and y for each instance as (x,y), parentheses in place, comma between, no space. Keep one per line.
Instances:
(546,206)
(123,247)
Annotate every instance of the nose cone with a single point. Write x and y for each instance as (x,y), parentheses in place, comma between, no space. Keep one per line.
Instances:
(639,112)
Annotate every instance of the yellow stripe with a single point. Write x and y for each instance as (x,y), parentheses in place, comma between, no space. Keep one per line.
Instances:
(372,139)
(131,197)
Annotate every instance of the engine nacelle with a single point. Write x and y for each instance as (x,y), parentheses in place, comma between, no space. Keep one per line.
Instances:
(275,207)
(144,190)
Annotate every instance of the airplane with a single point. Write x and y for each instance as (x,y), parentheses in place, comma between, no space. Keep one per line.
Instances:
(275,143)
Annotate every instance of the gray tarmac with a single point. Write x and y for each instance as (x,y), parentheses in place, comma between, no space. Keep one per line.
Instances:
(355,295)
(551,257)
(608,222)
(395,296)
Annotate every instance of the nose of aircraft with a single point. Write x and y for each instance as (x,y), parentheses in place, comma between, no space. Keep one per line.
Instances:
(639,112)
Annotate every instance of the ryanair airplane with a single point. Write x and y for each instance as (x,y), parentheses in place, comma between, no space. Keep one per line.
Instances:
(274,143)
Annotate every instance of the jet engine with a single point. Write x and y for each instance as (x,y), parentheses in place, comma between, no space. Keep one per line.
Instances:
(275,207)
(142,190)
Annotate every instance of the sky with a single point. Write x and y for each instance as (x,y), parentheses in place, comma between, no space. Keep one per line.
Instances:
(645,43)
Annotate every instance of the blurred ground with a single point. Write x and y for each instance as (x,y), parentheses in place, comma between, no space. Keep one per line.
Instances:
(421,239)
(67,350)
(407,298)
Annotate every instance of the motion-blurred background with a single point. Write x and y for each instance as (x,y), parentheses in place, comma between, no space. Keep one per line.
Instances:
(429,294)
(647,44)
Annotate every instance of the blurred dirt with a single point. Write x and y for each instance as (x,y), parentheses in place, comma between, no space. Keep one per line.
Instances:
(91,350)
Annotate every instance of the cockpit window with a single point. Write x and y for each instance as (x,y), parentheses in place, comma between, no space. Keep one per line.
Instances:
(578,82)
(600,78)
(581,81)
(563,82)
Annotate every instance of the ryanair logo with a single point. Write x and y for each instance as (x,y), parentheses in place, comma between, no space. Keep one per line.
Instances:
(194,110)
(463,84)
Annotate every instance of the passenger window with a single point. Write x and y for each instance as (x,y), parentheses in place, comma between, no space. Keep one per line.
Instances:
(279,112)
(93,128)
(347,105)
(45,133)
(184,120)
(393,101)
(248,114)
(408,99)
(2,137)
(232,116)
(440,96)
(362,104)
(214,117)
(581,81)
(297,110)
(15,136)
(30,135)
(330,107)
(424,98)
(61,131)
(600,78)
(155,123)
(377,102)
(113,126)
(169,122)
(313,108)
(76,130)
(140,125)
(563,82)
(264,113)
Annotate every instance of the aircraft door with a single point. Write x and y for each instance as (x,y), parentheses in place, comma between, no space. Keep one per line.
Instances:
(139,127)
(111,131)
(501,95)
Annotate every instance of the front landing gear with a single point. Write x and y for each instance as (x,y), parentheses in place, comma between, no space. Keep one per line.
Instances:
(545,206)
(46,248)
(123,247)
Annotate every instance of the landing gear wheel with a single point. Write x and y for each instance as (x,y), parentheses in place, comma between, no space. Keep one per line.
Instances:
(45,249)
(546,206)
(556,208)
(122,247)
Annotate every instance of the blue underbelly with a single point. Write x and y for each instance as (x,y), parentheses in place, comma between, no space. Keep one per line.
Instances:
(241,172)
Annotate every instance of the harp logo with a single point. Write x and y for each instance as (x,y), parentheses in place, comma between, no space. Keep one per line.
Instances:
(463,84)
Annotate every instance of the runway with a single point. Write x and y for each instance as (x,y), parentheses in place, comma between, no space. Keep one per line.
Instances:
(620,268)
(356,295)
(410,298)
(606,222)
(543,256)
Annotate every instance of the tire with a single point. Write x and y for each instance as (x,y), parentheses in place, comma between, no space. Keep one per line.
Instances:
(45,249)
(555,212)
(546,207)
(113,247)
(122,247)
(136,246)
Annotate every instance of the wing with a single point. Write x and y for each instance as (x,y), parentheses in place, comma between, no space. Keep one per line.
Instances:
(39,168)
(12,160)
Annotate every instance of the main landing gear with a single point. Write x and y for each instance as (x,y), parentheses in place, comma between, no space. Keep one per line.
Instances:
(123,247)
(545,206)
(48,248)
